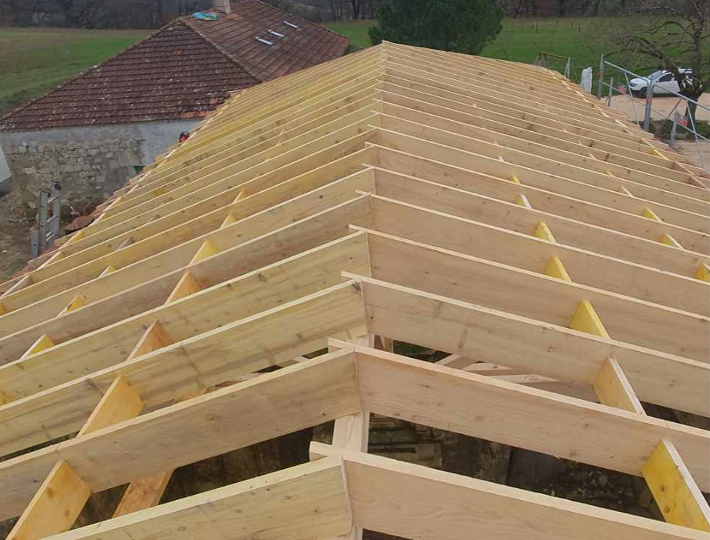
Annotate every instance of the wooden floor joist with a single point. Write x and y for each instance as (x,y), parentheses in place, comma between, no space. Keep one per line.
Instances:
(557,253)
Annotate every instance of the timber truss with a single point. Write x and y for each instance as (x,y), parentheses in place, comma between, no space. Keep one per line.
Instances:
(558,254)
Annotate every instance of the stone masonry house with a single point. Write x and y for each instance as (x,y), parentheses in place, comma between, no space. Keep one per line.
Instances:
(96,131)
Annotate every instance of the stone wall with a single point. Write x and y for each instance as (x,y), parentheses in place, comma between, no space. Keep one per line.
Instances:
(89,171)
(89,162)
(4,169)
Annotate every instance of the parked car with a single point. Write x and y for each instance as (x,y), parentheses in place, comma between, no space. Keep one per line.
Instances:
(664,83)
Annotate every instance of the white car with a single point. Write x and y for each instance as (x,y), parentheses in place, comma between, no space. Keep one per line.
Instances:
(663,83)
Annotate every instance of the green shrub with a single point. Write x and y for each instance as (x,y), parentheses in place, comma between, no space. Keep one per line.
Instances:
(703,128)
(375,35)
(464,26)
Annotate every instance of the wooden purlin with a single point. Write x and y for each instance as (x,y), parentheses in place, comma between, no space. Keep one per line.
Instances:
(558,254)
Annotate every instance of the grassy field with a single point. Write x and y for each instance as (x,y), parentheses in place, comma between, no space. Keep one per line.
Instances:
(36,60)
(584,39)
(356,31)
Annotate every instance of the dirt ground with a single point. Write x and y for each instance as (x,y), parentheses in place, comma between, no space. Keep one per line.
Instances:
(661,107)
(14,235)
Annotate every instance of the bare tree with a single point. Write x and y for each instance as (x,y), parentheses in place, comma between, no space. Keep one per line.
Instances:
(22,12)
(338,9)
(82,13)
(672,35)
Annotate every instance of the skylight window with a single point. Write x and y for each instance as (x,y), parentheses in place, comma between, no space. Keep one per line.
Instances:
(290,24)
(264,41)
(275,34)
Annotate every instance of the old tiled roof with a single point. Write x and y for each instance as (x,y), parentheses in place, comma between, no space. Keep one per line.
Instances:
(300,47)
(185,70)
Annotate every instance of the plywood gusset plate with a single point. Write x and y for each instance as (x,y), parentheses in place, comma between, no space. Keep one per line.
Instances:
(558,253)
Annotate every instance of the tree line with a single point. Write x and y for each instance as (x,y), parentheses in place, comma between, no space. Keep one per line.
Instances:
(89,14)
(156,13)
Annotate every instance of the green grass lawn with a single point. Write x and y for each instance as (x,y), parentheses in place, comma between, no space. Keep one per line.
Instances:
(36,60)
(584,39)
(356,31)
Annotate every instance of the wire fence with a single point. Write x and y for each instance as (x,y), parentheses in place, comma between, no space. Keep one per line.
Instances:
(563,64)
(657,109)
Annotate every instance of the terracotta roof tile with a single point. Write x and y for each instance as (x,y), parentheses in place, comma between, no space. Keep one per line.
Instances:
(185,70)
(300,47)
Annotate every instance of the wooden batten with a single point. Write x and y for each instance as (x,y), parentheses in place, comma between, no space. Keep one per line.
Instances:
(669,240)
(43,342)
(523,201)
(650,214)
(544,232)
(154,338)
(63,494)
(119,403)
(614,389)
(143,493)
(206,250)
(23,282)
(127,242)
(54,258)
(555,268)
(585,319)
(676,493)
(109,269)
(656,153)
(228,220)
(186,286)
(241,195)
(75,304)
(230,217)
(674,489)
(703,272)
(58,502)
(74,238)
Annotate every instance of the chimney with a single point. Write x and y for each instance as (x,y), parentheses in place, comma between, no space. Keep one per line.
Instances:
(222,5)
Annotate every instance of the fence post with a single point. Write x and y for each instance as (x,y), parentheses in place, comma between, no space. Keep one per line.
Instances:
(649,101)
(42,223)
(674,129)
(55,201)
(34,243)
(600,87)
(611,91)
(568,67)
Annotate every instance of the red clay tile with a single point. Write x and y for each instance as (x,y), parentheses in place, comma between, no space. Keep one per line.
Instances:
(185,70)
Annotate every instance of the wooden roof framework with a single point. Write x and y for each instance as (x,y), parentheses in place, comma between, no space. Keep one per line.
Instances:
(483,208)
